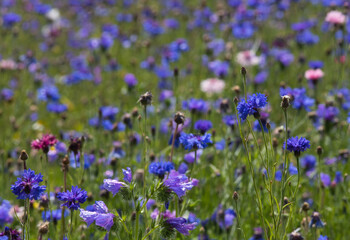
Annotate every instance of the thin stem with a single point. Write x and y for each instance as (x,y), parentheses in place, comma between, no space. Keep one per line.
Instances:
(150,232)
(284,172)
(173,142)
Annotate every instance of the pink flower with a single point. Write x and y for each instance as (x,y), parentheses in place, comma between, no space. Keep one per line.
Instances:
(47,141)
(212,85)
(335,17)
(8,64)
(314,74)
(248,58)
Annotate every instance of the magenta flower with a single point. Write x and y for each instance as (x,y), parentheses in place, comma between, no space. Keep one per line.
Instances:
(47,141)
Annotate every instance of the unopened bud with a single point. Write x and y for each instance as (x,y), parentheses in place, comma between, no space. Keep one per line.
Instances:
(285,102)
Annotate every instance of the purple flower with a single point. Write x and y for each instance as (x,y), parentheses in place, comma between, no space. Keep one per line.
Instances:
(308,162)
(297,145)
(130,80)
(27,186)
(325,179)
(180,224)
(328,113)
(10,234)
(72,199)
(99,214)
(179,183)
(113,186)
(230,120)
(195,105)
(190,157)
(299,98)
(316,221)
(191,141)
(127,175)
(203,125)
(5,216)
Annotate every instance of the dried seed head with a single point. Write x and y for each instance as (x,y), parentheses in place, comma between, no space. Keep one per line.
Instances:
(146,99)
(24,155)
(44,228)
(179,118)
(235,196)
(285,101)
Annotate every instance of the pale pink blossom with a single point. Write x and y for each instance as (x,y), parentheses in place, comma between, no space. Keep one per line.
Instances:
(314,74)
(8,64)
(212,85)
(248,58)
(335,17)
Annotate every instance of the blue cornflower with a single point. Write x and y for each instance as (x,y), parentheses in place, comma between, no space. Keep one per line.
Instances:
(10,19)
(127,175)
(316,221)
(300,99)
(316,64)
(243,30)
(56,107)
(191,141)
(98,214)
(152,27)
(328,113)
(73,198)
(160,168)
(307,38)
(27,187)
(308,162)
(257,100)
(203,125)
(297,145)
(322,238)
(251,106)
(106,41)
(230,120)
(179,183)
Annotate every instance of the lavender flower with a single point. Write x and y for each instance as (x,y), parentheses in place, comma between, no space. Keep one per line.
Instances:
(180,224)
(127,175)
(27,187)
(73,198)
(5,216)
(113,186)
(179,183)
(99,214)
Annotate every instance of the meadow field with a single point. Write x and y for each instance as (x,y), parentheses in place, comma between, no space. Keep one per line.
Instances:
(175,119)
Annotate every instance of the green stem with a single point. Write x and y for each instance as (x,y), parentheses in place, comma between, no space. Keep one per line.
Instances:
(284,172)
(150,232)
